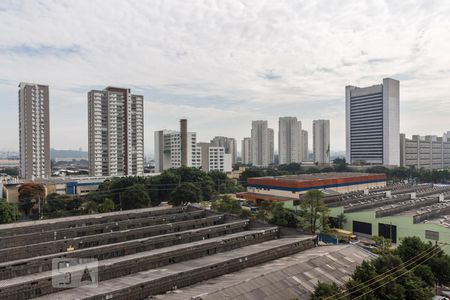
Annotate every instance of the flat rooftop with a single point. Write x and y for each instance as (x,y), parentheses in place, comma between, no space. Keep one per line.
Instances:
(317,176)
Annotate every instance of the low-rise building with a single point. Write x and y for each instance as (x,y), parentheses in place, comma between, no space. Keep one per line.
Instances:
(429,152)
(422,211)
(215,158)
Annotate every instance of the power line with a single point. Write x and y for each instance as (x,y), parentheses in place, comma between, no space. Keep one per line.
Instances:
(395,278)
(384,275)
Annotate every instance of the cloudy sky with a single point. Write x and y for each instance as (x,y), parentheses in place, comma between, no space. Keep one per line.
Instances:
(223,63)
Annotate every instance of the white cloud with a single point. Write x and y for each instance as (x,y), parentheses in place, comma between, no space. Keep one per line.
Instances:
(224,63)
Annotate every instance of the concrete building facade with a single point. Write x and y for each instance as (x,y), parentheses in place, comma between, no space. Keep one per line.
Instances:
(34,131)
(305,149)
(321,141)
(429,152)
(290,144)
(168,150)
(271,145)
(260,144)
(116,132)
(246,151)
(229,144)
(373,123)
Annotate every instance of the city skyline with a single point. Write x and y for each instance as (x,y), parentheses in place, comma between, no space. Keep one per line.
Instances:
(218,78)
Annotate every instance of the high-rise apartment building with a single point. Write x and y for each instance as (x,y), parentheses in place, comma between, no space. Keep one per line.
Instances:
(321,141)
(229,144)
(305,151)
(34,131)
(290,145)
(116,132)
(429,152)
(168,152)
(373,123)
(260,145)
(246,151)
(271,145)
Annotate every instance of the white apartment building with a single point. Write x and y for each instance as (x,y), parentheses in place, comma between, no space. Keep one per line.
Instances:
(290,144)
(168,150)
(229,144)
(246,151)
(34,131)
(305,150)
(215,158)
(261,144)
(321,141)
(429,152)
(116,132)
(373,123)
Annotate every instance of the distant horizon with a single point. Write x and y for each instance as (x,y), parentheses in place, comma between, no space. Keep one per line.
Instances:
(222,66)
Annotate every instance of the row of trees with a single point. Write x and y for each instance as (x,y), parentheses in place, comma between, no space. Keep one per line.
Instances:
(176,186)
(408,272)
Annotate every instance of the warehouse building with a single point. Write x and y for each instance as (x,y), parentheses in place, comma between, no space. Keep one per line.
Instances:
(402,211)
(288,189)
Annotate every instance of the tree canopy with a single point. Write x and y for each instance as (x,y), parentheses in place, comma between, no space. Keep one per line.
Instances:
(314,212)
(8,212)
(186,192)
(134,197)
(30,194)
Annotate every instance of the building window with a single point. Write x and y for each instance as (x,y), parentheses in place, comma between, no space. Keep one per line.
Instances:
(432,235)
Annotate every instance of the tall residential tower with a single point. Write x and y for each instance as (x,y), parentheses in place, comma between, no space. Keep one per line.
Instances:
(373,123)
(321,141)
(34,131)
(261,144)
(116,132)
(290,148)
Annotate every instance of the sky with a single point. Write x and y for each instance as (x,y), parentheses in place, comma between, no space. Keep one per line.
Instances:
(224,63)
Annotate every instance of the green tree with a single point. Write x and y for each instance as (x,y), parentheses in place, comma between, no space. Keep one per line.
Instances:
(223,184)
(314,212)
(8,212)
(56,202)
(292,168)
(339,221)
(383,244)
(91,207)
(326,291)
(186,192)
(134,197)
(30,194)
(282,216)
(227,204)
(106,206)
(425,273)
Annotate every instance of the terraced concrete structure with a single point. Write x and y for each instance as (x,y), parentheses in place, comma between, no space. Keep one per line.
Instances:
(141,253)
